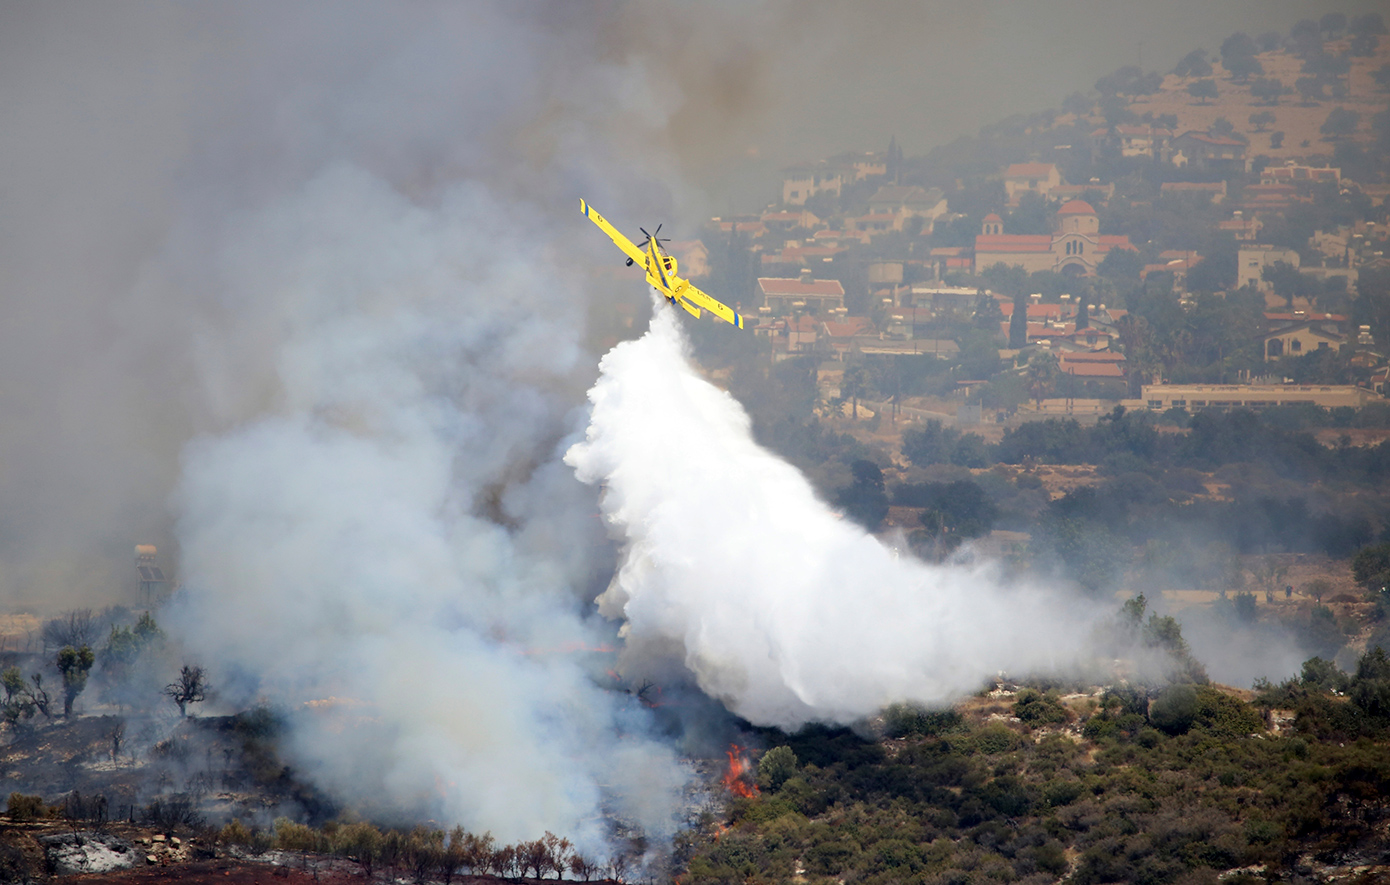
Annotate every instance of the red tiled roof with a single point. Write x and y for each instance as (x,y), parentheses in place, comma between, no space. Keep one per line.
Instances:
(1041,311)
(1030,170)
(1089,370)
(1076,207)
(780,286)
(1099,356)
(757,228)
(1202,186)
(1041,330)
(848,328)
(1208,138)
(1013,243)
(1307,317)
(993,216)
(1131,130)
(1106,242)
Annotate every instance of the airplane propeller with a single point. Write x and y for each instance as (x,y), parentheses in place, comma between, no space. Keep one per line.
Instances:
(659,240)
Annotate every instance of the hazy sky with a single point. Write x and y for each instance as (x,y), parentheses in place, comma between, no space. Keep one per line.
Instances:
(129,132)
(843,76)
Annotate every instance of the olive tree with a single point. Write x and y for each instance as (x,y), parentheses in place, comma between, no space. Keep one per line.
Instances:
(74,664)
(190,689)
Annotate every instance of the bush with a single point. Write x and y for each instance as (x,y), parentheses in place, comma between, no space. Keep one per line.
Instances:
(26,808)
(1370,688)
(995,739)
(1371,566)
(1323,675)
(1175,709)
(1224,715)
(901,720)
(776,767)
(291,836)
(1061,792)
(1039,709)
(235,833)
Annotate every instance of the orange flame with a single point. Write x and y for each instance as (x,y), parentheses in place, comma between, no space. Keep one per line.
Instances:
(739,776)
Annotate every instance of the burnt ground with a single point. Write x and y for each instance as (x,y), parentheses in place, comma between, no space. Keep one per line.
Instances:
(141,769)
(193,858)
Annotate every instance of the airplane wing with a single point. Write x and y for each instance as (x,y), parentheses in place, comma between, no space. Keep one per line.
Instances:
(637,255)
(718,308)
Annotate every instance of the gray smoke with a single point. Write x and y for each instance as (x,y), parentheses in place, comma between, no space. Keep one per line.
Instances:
(314,278)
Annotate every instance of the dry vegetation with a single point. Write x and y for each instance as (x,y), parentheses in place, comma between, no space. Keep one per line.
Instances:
(1300,123)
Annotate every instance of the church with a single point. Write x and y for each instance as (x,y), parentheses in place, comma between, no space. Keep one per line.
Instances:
(1075,246)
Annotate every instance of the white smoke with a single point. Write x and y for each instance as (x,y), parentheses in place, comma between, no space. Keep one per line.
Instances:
(385,534)
(781,609)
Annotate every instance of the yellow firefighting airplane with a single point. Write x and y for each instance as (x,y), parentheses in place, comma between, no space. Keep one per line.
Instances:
(661,270)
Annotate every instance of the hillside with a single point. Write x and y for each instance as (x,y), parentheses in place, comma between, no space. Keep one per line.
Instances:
(1300,122)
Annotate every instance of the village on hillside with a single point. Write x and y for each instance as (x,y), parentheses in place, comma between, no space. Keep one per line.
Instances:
(1256,174)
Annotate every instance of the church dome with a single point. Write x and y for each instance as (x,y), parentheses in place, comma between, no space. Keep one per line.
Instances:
(1076,207)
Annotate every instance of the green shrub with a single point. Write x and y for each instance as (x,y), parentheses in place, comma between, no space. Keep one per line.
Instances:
(1099,727)
(1323,676)
(901,720)
(235,833)
(994,739)
(1063,792)
(1370,688)
(1039,709)
(1224,715)
(831,858)
(1174,709)
(1051,857)
(26,808)
(291,836)
(776,766)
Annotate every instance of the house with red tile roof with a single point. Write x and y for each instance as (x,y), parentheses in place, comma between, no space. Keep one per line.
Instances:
(800,183)
(801,255)
(877,222)
(752,229)
(1075,245)
(1203,150)
(1292,172)
(786,220)
(908,202)
(1298,338)
(1252,260)
(1175,262)
(1271,197)
(840,237)
(781,294)
(1242,226)
(1083,364)
(1214,191)
(1092,193)
(1037,178)
(1134,141)
(1034,312)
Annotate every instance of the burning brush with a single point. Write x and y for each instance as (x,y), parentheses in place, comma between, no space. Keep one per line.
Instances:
(739,776)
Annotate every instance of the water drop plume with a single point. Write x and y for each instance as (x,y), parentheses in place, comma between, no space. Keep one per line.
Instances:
(780,608)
